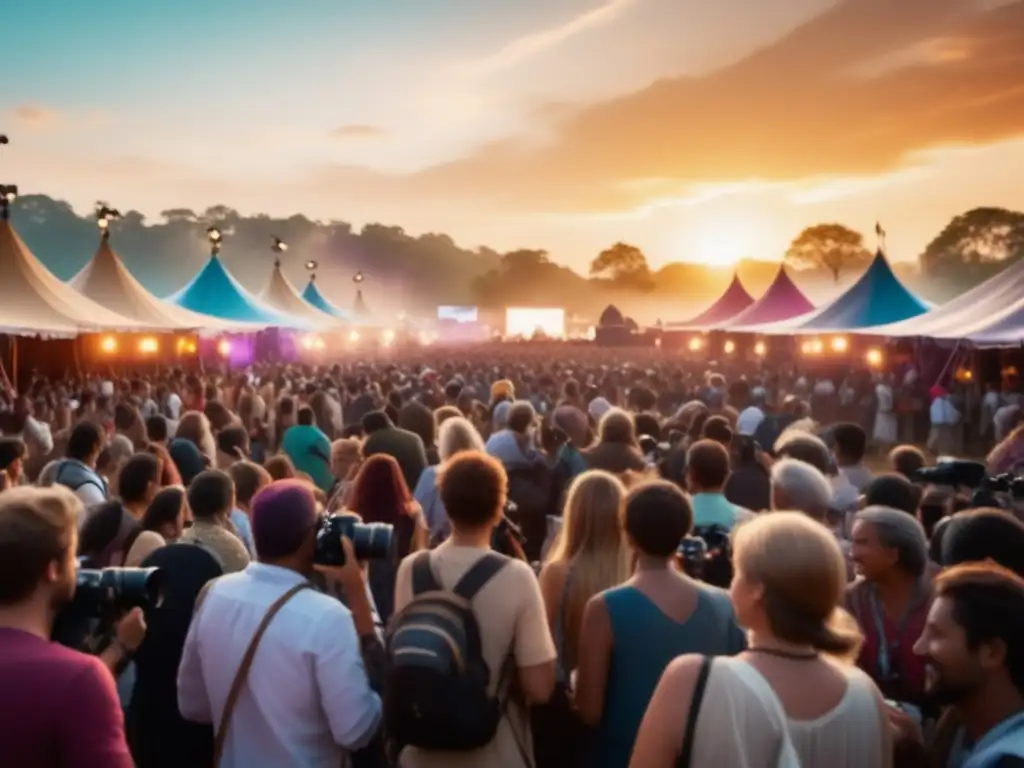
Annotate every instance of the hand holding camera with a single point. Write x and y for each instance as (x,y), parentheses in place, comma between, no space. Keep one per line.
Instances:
(349,575)
(131,630)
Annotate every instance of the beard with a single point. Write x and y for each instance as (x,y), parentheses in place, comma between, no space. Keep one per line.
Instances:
(942,691)
(63,591)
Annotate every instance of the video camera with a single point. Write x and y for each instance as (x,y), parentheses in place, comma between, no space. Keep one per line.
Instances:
(973,475)
(370,541)
(101,596)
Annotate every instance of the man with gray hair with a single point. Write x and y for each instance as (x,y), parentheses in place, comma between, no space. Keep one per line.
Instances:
(514,446)
(799,487)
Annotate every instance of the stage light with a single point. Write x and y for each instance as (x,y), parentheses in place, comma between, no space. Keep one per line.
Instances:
(319,344)
(307,342)
(760,349)
(224,348)
(840,344)
(730,347)
(696,343)
(191,348)
(806,348)
(353,336)
(214,236)
(817,347)
(279,245)
(311,265)
(148,345)
(358,277)
(874,358)
(109,345)
(388,337)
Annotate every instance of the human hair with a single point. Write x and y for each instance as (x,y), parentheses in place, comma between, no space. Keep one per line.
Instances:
(415,417)
(234,442)
(984,534)
(717,428)
(895,491)
(442,414)
(707,465)
(936,504)
(907,460)
(211,493)
(345,454)
(617,427)
(898,530)
(658,516)
(195,427)
(473,488)
(156,429)
(139,472)
(458,434)
(452,390)
(125,417)
(803,588)
(37,527)
(647,424)
(218,415)
(800,487)
(163,509)
(803,446)
(306,417)
(86,438)
(280,467)
(988,602)
(248,478)
(380,495)
(521,416)
(375,421)
(850,441)
(11,450)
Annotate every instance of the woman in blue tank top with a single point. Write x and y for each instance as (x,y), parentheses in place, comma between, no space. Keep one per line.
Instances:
(632,632)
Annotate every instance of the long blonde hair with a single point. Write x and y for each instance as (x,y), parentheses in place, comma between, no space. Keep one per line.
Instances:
(592,543)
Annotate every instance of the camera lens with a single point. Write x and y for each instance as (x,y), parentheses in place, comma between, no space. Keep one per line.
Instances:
(370,541)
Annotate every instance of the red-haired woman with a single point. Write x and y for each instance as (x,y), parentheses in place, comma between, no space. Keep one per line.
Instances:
(380,495)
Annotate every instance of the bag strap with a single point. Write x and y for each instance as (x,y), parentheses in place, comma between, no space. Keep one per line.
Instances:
(243,669)
(691,719)
(422,576)
(479,574)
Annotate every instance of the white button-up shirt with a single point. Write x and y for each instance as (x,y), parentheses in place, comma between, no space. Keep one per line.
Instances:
(307,700)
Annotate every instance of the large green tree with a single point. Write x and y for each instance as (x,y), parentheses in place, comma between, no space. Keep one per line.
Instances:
(831,247)
(974,246)
(623,265)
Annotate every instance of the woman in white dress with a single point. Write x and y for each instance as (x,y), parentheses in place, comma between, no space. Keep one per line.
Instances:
(886,431)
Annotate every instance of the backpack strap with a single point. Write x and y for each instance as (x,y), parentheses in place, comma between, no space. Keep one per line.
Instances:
(423,579)
(479,574)
(691,720)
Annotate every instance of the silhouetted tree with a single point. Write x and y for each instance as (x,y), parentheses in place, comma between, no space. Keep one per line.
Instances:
(974,246)
(829,246)
(625,266)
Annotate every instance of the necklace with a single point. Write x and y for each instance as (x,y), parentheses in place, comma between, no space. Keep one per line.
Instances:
(809,656)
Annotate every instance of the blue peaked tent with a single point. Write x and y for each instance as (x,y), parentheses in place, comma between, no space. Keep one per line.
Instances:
(313,296)
(877,298)
(214,291)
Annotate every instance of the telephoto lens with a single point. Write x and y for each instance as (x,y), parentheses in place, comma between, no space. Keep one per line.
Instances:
(370,541)
(100,593)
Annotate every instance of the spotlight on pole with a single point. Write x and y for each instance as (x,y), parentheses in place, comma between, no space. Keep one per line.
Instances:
(358,277)
(104,216)
(8,194)
(311,265)
(213,234)
(279,246)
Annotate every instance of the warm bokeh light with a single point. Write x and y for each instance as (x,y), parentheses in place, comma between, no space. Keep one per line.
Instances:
(319,344)
(353,336)
(730,347)
(224,348)
(696,343)
(387,338)
(806,348)
(817,347)
(149,345)
(308,342)
(760,349)
(109,345)
(874,358)
(840,344)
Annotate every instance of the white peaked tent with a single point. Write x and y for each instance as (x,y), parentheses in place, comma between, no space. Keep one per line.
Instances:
(34,302)
(280,294)
(107,281)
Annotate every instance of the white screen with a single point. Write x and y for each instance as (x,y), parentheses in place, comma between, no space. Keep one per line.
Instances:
(524,321)
(458,314)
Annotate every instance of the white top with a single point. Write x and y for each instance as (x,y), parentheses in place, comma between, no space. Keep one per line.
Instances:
(174,406)
(307,698)
(742,724)
(749,420)
(943,413)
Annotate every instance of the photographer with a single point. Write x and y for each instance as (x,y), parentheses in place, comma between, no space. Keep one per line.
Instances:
(57,706)
(306,700)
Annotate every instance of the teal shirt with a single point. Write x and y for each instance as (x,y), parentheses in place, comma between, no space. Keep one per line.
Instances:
(310,452)
(713,509)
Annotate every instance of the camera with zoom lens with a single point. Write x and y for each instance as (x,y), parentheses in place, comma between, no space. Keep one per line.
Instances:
(370,541)
(101,596)
(956,473)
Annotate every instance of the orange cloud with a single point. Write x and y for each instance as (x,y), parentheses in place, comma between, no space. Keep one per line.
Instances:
(36,116)
(795,109)
(359,131)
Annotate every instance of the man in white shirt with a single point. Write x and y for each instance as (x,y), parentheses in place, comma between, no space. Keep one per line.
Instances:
(944,417)
(307,699)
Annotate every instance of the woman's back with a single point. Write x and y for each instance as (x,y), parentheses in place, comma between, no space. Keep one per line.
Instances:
(830,712)
(645,638)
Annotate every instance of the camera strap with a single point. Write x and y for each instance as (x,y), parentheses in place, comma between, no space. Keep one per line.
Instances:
(243,669)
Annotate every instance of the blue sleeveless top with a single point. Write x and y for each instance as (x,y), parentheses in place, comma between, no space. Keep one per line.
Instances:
(644,642)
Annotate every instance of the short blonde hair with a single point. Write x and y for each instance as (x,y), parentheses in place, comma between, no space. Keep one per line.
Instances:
(456,435)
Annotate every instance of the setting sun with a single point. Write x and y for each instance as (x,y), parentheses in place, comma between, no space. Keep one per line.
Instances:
(724,239)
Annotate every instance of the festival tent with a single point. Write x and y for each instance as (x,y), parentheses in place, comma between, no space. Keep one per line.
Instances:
(215,291)
(34,302)
(282,296)
(313,296)
(107,281)
(877,298)
(729,305)
(782,301)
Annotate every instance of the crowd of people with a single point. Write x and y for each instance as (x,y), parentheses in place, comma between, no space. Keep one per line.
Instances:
(500,557)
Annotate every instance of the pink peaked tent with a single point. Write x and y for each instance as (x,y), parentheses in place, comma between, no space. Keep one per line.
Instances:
(729,304)
(781,301)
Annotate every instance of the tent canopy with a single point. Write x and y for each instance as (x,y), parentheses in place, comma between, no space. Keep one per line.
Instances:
(107,281)
(215,291)
(280,294)
(729,304)
(34,302)
(313,296)
(878,297)
(782,300)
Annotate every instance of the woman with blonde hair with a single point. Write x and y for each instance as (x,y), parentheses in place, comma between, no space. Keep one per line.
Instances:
(455,435)
(195,427)
(788,700)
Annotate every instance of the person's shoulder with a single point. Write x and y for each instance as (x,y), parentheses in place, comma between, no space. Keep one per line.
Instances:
(718,599)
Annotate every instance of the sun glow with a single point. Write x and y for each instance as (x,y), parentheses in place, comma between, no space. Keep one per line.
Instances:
(724,239)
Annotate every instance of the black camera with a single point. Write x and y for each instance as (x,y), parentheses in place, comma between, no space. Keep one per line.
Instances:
(957,473)
(370,541)
(101,595)
(693,552)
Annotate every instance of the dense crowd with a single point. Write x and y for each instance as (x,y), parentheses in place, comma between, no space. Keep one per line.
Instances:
(503,557)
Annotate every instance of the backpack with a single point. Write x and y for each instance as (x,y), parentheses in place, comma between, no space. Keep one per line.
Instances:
(436,696)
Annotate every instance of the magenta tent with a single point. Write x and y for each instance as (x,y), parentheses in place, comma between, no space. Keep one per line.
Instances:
(729,304)
(781,301)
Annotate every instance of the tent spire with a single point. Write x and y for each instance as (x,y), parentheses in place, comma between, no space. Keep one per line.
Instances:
(880,234)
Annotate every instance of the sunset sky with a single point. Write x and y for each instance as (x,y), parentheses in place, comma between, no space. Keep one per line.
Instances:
(697,130)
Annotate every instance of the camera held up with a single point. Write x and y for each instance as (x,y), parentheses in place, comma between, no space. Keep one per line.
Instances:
(370,541)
